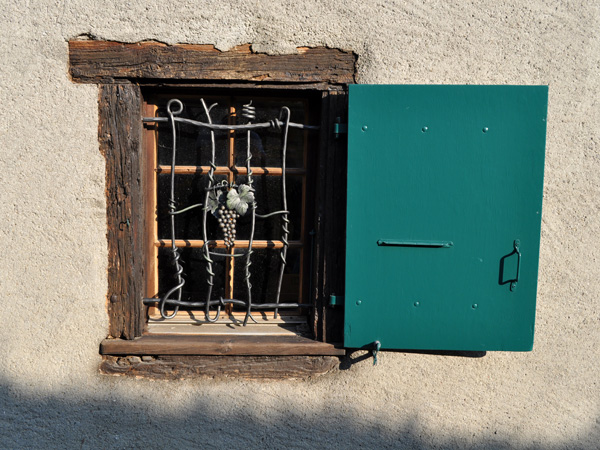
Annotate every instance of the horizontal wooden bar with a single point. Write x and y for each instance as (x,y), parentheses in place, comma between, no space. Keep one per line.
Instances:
(219,345)
(224,170)
(198,243)
(103,61)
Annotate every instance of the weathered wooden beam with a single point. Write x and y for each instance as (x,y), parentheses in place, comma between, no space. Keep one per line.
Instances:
(240,345)
(252,367)
(119,132)
(107,61)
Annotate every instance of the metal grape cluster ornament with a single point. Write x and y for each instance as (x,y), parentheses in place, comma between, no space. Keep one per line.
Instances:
(228,205)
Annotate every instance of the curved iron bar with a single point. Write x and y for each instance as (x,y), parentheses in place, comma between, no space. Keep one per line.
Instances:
(277,123)
(172,207)
(172,213)
(284,218)
(224,184)
(234,302)
(249,112)
(264,216)
(206,252)
(228,255)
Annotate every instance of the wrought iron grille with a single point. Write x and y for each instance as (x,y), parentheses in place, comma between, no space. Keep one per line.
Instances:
(226,202)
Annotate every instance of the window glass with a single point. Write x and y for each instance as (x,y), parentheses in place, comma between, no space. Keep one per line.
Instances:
(189,190)
(194,273)
(266,144)
(268,194)
(194,143)
(264,276)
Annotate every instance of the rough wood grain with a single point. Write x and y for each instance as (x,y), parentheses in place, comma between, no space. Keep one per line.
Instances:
(119,133)
(251,367)
(106,61)
(219,345)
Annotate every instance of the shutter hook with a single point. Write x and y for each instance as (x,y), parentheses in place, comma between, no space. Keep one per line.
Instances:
(377,346)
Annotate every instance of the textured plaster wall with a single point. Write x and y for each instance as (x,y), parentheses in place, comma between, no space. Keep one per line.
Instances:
(53,246)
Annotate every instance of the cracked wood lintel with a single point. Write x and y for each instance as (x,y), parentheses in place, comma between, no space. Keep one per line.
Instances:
(108,61)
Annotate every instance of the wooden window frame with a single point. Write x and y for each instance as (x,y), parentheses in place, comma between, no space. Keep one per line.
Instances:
(121,71)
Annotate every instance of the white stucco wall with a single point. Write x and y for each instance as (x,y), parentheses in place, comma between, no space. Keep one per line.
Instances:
(53,253)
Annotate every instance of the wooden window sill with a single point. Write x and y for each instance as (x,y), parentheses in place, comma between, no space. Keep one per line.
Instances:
(220,345)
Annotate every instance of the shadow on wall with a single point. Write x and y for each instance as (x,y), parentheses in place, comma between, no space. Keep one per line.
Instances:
(54,422)
(356,356)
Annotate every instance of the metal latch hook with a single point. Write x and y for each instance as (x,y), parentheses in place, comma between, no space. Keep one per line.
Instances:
(377,346)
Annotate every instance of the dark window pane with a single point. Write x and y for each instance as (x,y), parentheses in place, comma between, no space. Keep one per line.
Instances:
(194,273)
(264,276)
(266,144)
(194,143)
(189,190)
(268,195)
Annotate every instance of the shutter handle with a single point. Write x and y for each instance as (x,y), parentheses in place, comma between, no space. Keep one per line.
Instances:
(426,244)
(513,284)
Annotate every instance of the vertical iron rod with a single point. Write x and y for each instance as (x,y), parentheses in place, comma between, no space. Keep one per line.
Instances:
(249,112)
(172,206)
(209,262)
(284,217)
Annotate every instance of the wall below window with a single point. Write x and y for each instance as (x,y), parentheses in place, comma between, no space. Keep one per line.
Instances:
(53,256)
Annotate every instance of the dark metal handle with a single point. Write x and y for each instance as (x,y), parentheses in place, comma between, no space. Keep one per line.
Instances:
(426,244)
(513,284)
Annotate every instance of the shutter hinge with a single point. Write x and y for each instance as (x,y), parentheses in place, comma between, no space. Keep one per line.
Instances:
(336,300)
(339,128)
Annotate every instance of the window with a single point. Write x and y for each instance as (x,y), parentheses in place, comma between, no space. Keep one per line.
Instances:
(313,84)
(278,269)
(443,188)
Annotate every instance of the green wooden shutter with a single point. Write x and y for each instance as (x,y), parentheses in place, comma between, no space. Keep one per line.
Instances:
(444,212)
